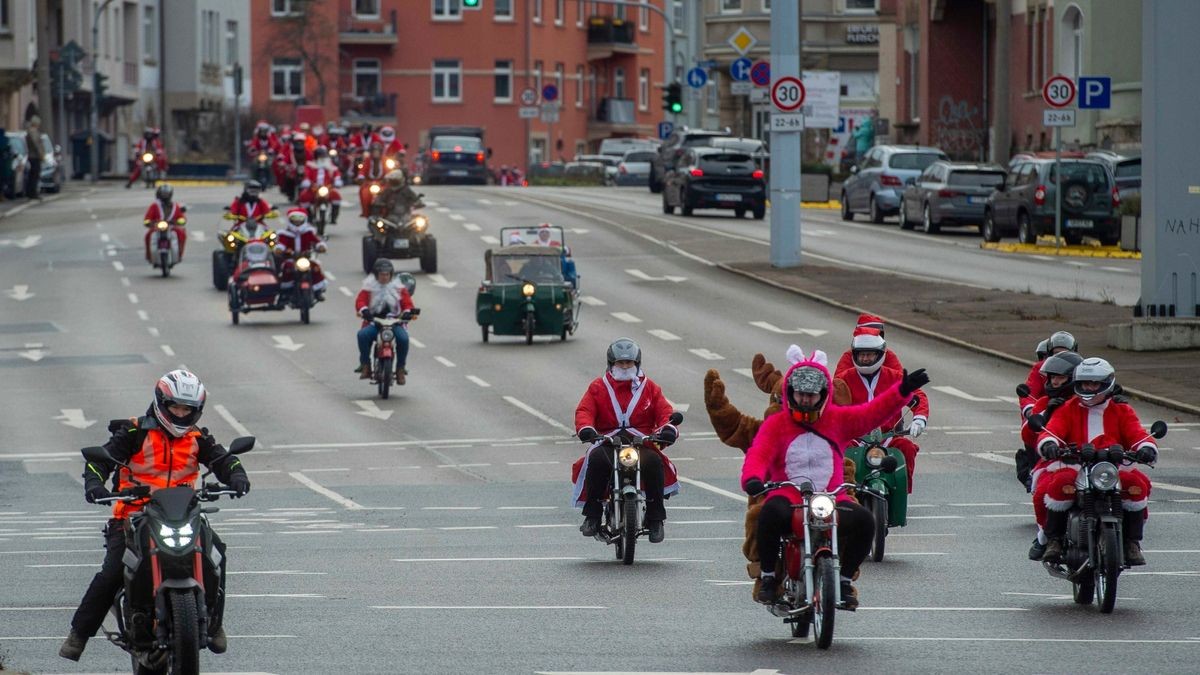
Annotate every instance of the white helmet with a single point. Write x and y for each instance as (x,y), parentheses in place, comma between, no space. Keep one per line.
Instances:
(388,134)
(868,340)
(1094,370)
(178,387)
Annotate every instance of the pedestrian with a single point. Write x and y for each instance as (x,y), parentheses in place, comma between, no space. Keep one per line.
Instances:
(33,142)
(6,172)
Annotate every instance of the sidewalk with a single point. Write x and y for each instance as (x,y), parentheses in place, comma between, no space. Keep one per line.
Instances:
(1005,324)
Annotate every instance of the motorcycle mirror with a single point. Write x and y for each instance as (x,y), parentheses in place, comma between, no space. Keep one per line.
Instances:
(96,453)
(1022,390)
(889,464)
(227,208)
(409,281)
(1158,429)
(1036,422)
(241,445)
(676,418)
(806,488)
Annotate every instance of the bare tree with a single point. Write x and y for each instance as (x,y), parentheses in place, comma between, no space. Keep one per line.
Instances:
(306,35)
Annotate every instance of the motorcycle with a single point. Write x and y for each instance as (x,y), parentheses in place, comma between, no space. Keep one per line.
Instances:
(319,212)
(1093,553)
(811,586)
(232,241)
(173,598)
(149,169)
(256,285)
(262,168)
(625,505)
(303,297)
(881,478)
(164,245)
(405,237)
(383,354)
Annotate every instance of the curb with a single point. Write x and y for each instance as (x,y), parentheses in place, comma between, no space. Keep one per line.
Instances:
(18,209)
(1074,251)
(832,205)
(1135,393)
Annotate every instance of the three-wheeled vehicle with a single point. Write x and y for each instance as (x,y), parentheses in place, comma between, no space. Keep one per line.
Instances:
(528,289)
(232,240)
(405,237)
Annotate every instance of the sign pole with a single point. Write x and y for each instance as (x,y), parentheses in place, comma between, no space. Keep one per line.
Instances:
(1057,187)
(785,145)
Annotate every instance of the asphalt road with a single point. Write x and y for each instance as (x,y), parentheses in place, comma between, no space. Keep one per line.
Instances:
(432,533)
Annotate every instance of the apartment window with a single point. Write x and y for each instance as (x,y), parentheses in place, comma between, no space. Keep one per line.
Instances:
(447,81)
(1074,50)
(502,10)
(537,77)
(643,18)
(537,11)
(447,10)
(579,13)
(644,89)
(208,37)
(560,10)
(578,86)
(287,79)
(766,5)
(283,8)
(5,20)
(580,148)
(618,82)
(367,78)
(619,12)
(559,76)
(862,5)
(713,92)
(231,43)
(678,16)
(150,30)
(366,9)
(731,6)
(504,82)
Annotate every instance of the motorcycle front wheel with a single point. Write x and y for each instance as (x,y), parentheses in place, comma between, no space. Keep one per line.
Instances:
(164,259)
(185,633)
(825,579)
(629,530)
(384,373)
(1108,569)
(879,509)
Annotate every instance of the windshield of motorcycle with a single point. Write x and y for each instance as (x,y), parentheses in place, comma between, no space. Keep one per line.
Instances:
(174,503)
(256,252)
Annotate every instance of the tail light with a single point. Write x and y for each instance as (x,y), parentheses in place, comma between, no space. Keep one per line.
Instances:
(436,155)
(947,193)
(621,168)
(887,180)
(697,172)
(1039,195)
(1116,198)
(479,157)
(757,174)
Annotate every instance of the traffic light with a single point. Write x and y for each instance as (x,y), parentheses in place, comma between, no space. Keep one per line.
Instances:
(673,98)
(470,4)
(101,86)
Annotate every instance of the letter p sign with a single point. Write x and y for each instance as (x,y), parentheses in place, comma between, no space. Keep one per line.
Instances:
(1095,93)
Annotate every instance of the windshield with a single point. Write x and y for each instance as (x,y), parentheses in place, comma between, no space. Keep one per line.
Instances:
(1129,169)
(18,145)
(917,161)
(976,178)
(640,157)
(1093,175)
(750,147)
(457,144)
(536,268)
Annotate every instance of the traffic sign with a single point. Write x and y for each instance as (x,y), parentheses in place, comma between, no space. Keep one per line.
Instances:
(527,112)
(665,129)
(529,96)
(787,94)
(1095,93)
(740,88)
(787,122)
(760,73)
(1054,117)
(549,93)
(549,113)
(742,40)
(1059,91)
(696,78)
(739,70)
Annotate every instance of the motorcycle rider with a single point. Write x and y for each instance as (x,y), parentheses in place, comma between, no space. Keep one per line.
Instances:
(296,157)
(624,398)
(370,170)
(804,443)
(397,198)
(163,448)
(1062,341)
(163,208)
(252,208)
(392,147)
(149,142)
(1059,371)
(321,171)
(846,361)
(382,294)
(1093,416)
(300,237)
(264,141)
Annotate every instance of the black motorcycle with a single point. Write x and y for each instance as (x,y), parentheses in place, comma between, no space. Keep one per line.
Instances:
(173,597)
(406,237)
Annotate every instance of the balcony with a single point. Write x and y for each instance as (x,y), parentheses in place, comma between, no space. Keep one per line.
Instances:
(614,116)
(608,36)
(378,109)
(357,31)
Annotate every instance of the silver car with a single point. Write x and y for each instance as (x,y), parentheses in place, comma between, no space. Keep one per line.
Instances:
(948,193)
(634,167)
(879,178)
(607,161)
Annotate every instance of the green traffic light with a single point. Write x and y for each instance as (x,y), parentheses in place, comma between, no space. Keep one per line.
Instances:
(470,3)
(676,107)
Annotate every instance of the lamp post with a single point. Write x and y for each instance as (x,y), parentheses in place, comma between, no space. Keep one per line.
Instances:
(95,121)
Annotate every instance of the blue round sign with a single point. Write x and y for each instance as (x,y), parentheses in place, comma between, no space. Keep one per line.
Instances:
(696,78)
(760,73)
(739,70)
(549,93)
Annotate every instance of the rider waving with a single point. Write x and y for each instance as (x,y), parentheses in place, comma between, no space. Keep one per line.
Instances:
(623,398)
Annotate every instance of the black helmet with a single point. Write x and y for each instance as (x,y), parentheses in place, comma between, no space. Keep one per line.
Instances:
(1060,364)
(624,349)
(383,265)
(164,192)
(1062,339)
(252,189)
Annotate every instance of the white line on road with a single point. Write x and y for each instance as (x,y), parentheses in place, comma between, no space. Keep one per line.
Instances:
(118,266)
(143,315)
(415,342)
(663,334)
(133,298)
(290,572)
(626,317)
(707,355)
(1023,640)
(538,414)
(152,331)
(471,227)
(1117,269)
(538,527)
(441,209)
(457,216)
(965,433)
(329,275)
(483,607)
(274,595)
(993,457)
(716,490)
(489,239)
(441,560)
(444,361)
(451,508)
(126,282)
(346,291)
(1176,488)
(592,300)
(324,491)
(167,350)
(478,381)
(468,527)
(946,609)
(958,393)
(231,420)
(104,238)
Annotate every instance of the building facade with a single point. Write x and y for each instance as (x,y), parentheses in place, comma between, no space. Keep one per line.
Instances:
(18,53)
(415,64)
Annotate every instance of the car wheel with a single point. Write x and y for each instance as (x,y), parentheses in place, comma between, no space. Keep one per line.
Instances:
(876,214)
(905,223)
(760,212)
(846,213)
(739,213)
(1025,231)
(988,229)
(927,224)
(656,186)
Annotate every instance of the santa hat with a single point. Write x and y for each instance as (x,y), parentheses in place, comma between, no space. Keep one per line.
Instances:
(296,210)
(867,338)
(870,321)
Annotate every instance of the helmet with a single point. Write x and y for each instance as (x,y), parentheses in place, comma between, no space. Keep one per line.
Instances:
(868,340)
(806,379)
(1043,350)
(388,134)
(164,192)
(870,321)
(298,137)
(383,265)
(297,216)
(178,387)
(395,177)
(252,188)
(624,349)
(286,129)
(1091,371)
(1060,364)
(320,153)
(1064,340)
(304,126)
(318,130)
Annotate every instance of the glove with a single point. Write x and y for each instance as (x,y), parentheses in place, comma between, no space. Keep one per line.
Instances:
(96,492)
(1049,450)
(913,381)
(754,487)
(365,313)
(240,484)
(668,435)
(917,428)
(588,434)
(1147,454)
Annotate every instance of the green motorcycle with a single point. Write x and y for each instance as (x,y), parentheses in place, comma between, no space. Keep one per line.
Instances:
(881,483)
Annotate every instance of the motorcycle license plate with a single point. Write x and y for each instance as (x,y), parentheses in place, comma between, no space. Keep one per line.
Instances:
(1079,224)
(458,172)
(728,198)
(400,243)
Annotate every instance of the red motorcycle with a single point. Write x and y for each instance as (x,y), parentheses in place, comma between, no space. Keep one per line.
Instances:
(166,241)
(256,284)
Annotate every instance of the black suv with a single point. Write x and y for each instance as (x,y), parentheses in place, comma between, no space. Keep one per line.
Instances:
(671,149)
(715,178)
(1024,204)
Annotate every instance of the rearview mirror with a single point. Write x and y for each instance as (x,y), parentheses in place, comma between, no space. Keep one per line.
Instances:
(1158,429)
(240,445)
(1023,390)
(676,418)
(97,454)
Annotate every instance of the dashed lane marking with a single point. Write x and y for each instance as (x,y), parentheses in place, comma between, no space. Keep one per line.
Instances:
(592,300)
(707,355)
(231,420)
(444,560)
(538,414)
(471,227)
(958,393)
(346,291)
(489,239)
(993,457)
(663,334)
(457,216)
(167,350)
(415,342)
(133,298)
(626,317)
(444,361)
(143,315)
(118,266)
(152,331)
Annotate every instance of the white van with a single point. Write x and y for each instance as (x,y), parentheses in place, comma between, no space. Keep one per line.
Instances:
(617,147)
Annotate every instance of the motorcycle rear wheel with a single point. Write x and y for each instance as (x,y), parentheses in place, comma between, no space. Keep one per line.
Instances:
(825,579)
(1109,569)
(384,373)
(879,509)
(629,528)
(185,633)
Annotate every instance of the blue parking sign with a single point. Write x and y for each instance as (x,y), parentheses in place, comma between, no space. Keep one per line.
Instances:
(1095,93)
(665,129)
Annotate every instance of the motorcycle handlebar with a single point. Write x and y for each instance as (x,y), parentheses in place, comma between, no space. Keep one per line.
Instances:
(806,488)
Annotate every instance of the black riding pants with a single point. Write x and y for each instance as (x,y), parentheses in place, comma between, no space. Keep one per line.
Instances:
(856,527)
(599,476)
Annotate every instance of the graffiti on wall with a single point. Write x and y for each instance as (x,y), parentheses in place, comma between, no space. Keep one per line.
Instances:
(958,129)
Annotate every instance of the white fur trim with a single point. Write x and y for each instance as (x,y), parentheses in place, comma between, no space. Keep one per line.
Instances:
(1129,505)
(795,354)
(1059,505)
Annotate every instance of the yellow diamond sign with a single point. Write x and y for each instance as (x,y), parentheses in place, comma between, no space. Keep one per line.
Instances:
(742,41)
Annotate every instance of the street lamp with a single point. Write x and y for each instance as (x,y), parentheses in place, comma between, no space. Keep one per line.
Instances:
(96,86)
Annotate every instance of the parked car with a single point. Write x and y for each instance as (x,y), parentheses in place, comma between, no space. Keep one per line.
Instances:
(1042,154)
(1126,170)
(672,148)
(634,167)
(20,162)
(1024,204)
(607,161)
(619,147)
(948,193)
(877,181)
(51,178)
(713,178)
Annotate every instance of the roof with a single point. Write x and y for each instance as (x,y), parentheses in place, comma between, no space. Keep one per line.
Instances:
(972,166)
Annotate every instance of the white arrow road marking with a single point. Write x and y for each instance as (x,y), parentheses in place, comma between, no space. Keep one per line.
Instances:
(592,300)
(626,317)
(73,417)
(440,281)
(33,352)
(958,393)
(489,239)
(20,293)
(707,355)
(471,227)
(662,334)
(285,342)
(766,325)
(369,409)
(322,490)
(28,242)
(198,235)
(539,414)
(638,274)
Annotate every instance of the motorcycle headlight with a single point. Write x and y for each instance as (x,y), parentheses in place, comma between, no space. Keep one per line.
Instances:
(148,157)
(380,226)
(875,457)
(1104,476)
(162,226)
(821,506)
(262,157)
(176,536)
(303,264)
(374,189)
(420,223)
(628,457)
(390,164)
(527,290)
(323,191)
(387,335)
(333,153)
(416,180)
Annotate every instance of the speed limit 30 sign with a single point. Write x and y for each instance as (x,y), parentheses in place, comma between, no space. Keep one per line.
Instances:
(1059,91)
(788,93)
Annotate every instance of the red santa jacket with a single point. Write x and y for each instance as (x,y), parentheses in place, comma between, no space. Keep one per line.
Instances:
(154,146)
(316,175)
(1109,423)
(393,149)
(288,155)
(154,213)
(890,360)
(372,169)
(1037,386)
(302,239)
(258,211)
(862,390)
(258,144)
(382,299)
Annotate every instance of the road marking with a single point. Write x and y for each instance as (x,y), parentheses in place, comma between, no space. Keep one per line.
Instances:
(326,470)
(1171,487)
(1043,257)
(133,298)
(322,490)
(290,572)
(1005,515)
(167,350)
(662,334)
(143,315)
(707,355)
(542,527)
(469,527)
(935,517)
(626,317)
(104,238)
(1077,263)
(329,275)
(118,266)
(126,282)
(766,325)
(274,595)
(877,638)
(440,281)
(484,607)
(543,559)
(962,433)
(231,420)
(73,417)
(489,239)
(34,609)
(946,609)
(1122,270)
(63,565)
(415,342)
(958,393)
(152,331)
(346,291)
(432,204)
(592,300)
(689,256)
(33,352)
(703,522)
(640,275)
(538,414)
(199,235)
(456,216)
(716,490)
(444,361)
(978,504)
(441,209)
(478,381)
(370,409)
(993,457)
(1009,399)
(285,342)
(451,508)
(744,371)
(471,227)
(20,293)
